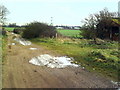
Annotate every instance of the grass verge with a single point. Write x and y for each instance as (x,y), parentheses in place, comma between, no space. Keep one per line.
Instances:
(102,59)
(4,43)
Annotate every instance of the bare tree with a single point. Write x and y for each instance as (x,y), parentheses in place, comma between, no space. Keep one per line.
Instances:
(3,12)
(89,27)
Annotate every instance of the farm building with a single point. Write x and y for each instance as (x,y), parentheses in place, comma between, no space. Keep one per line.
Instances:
(115,29)
(110,30)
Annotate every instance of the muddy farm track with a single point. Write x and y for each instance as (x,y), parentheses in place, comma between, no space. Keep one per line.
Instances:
(19,73)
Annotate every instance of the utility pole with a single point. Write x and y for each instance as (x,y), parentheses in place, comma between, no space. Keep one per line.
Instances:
(51,21)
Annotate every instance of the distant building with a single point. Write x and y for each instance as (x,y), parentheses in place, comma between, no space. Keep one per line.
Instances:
(77,27)
(59,28)
(68,27)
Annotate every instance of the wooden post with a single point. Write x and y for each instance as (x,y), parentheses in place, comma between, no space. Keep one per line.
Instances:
(111,34)
(56,35)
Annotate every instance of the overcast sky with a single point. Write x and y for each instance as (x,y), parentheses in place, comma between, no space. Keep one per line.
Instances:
(64,12)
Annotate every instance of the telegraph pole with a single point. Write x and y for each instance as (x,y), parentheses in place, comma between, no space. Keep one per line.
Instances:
(51,21)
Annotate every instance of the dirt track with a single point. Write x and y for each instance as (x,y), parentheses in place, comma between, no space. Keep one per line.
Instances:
(18,73)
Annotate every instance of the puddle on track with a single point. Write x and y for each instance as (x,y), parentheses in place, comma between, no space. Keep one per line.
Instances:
(52,62)
(22,41)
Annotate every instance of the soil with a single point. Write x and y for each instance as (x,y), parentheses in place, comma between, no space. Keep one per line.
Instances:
(19,73)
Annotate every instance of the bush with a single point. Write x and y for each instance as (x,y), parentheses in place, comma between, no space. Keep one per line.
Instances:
(98,55)
(18,30)
(103,44)
(37,29)
(88,34)
(116,53)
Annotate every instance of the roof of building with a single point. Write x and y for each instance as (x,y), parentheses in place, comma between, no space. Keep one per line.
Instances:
(116,20)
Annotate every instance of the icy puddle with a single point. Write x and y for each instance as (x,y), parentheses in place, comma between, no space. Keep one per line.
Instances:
(33,48)
(22,41)
(116,83)
(52,62)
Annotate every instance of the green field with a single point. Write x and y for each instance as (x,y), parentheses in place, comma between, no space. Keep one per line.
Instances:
(9,28)
(70,33)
